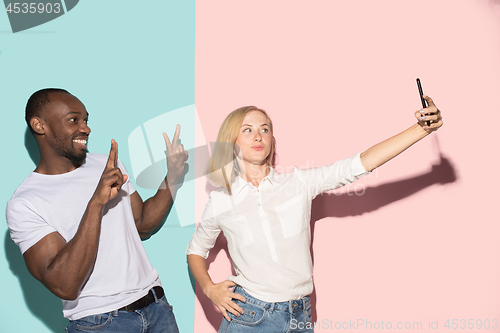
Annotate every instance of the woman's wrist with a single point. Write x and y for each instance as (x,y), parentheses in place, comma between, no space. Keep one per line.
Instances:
(206,286)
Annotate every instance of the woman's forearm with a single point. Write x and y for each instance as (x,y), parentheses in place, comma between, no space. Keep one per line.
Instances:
(386,150)
(429,120)
(198,267)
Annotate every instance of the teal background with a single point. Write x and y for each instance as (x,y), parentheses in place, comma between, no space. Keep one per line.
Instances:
(128,62)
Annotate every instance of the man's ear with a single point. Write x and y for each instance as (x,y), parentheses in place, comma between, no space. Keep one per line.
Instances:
(37,125)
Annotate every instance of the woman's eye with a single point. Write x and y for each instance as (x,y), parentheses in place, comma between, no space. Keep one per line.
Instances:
(72,120)
(265,130)
(247,130)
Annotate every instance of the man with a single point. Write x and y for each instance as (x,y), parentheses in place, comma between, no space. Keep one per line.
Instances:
(78,222)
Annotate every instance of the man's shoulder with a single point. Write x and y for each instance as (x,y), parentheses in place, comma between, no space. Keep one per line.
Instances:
(25,187)
(24,196)
(35,182)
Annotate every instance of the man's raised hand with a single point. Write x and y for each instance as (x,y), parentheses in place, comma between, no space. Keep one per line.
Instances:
(176,157)
(112,178)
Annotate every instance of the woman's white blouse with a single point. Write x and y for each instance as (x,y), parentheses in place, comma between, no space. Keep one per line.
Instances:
(268,228)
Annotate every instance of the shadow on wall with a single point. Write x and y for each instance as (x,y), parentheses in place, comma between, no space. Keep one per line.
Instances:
(376,197)
(213,314)
(31,146)
(342,206)
(40,301)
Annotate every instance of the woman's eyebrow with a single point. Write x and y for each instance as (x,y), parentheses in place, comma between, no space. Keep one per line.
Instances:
(263,124)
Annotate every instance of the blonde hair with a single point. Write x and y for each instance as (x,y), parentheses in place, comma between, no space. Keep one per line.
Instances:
(222,169)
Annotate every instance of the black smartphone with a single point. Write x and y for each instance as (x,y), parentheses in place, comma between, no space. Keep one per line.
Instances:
(421,92)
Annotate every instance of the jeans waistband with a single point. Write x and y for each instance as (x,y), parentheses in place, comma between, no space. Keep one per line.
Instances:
(290,306)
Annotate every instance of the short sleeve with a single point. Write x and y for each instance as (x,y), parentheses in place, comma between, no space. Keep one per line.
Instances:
(333,176)
(25,225)
(205,235)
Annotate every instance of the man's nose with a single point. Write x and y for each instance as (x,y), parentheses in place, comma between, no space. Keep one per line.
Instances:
(84,128)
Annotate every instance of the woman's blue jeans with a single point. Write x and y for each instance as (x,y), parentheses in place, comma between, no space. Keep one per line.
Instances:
(263,317)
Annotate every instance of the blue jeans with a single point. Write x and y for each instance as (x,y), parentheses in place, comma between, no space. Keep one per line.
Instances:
(283,317)
(157,317)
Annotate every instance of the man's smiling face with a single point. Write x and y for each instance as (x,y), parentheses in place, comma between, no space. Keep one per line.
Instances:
(67,131)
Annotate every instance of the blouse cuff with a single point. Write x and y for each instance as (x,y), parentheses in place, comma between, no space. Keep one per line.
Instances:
(357,167)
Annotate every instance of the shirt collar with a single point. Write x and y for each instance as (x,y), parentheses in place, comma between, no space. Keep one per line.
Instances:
(239,183)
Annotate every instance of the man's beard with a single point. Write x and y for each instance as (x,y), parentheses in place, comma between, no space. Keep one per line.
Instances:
(77,160)
(70,154)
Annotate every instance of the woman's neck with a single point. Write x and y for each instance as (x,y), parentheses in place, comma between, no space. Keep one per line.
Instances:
(254,173)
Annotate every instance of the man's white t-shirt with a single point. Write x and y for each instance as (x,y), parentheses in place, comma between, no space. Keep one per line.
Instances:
(56,203)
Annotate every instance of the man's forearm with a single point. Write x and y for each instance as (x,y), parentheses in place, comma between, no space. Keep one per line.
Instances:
(156,208)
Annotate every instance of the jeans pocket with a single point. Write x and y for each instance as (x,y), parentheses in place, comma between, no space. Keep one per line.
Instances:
(164,302)
(253,315)
(308,308)
(93,323)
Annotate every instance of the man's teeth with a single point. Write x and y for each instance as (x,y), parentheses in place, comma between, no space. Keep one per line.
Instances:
(82,142)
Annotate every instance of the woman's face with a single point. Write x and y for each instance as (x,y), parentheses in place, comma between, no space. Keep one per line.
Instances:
(255,138)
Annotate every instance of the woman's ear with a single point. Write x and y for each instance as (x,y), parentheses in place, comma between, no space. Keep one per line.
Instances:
(37,125)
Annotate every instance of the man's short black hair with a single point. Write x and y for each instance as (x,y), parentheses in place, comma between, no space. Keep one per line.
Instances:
(38,101)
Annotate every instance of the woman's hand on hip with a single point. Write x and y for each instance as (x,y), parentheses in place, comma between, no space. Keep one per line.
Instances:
(222,297)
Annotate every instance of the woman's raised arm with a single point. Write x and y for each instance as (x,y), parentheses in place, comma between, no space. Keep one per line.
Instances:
(386,150)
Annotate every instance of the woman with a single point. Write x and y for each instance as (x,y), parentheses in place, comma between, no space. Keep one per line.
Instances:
(265,217)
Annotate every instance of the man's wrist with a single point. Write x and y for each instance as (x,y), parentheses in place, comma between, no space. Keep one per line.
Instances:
(95,205)
(171,180)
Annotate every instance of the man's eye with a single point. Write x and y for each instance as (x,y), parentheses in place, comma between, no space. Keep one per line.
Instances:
(73,120)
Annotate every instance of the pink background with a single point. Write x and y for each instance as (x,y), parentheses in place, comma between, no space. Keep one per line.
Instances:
(337,77)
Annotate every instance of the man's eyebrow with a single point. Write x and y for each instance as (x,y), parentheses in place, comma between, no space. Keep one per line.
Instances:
(77,112)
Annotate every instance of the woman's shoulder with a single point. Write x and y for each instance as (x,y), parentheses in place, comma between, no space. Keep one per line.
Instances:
(219,192)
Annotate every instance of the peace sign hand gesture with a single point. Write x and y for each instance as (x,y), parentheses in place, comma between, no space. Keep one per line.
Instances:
(112,178)
(176,157)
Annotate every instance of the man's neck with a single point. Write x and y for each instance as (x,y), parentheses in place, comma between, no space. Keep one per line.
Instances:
(55,165)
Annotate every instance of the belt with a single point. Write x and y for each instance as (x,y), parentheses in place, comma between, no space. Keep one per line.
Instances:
(144,301)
